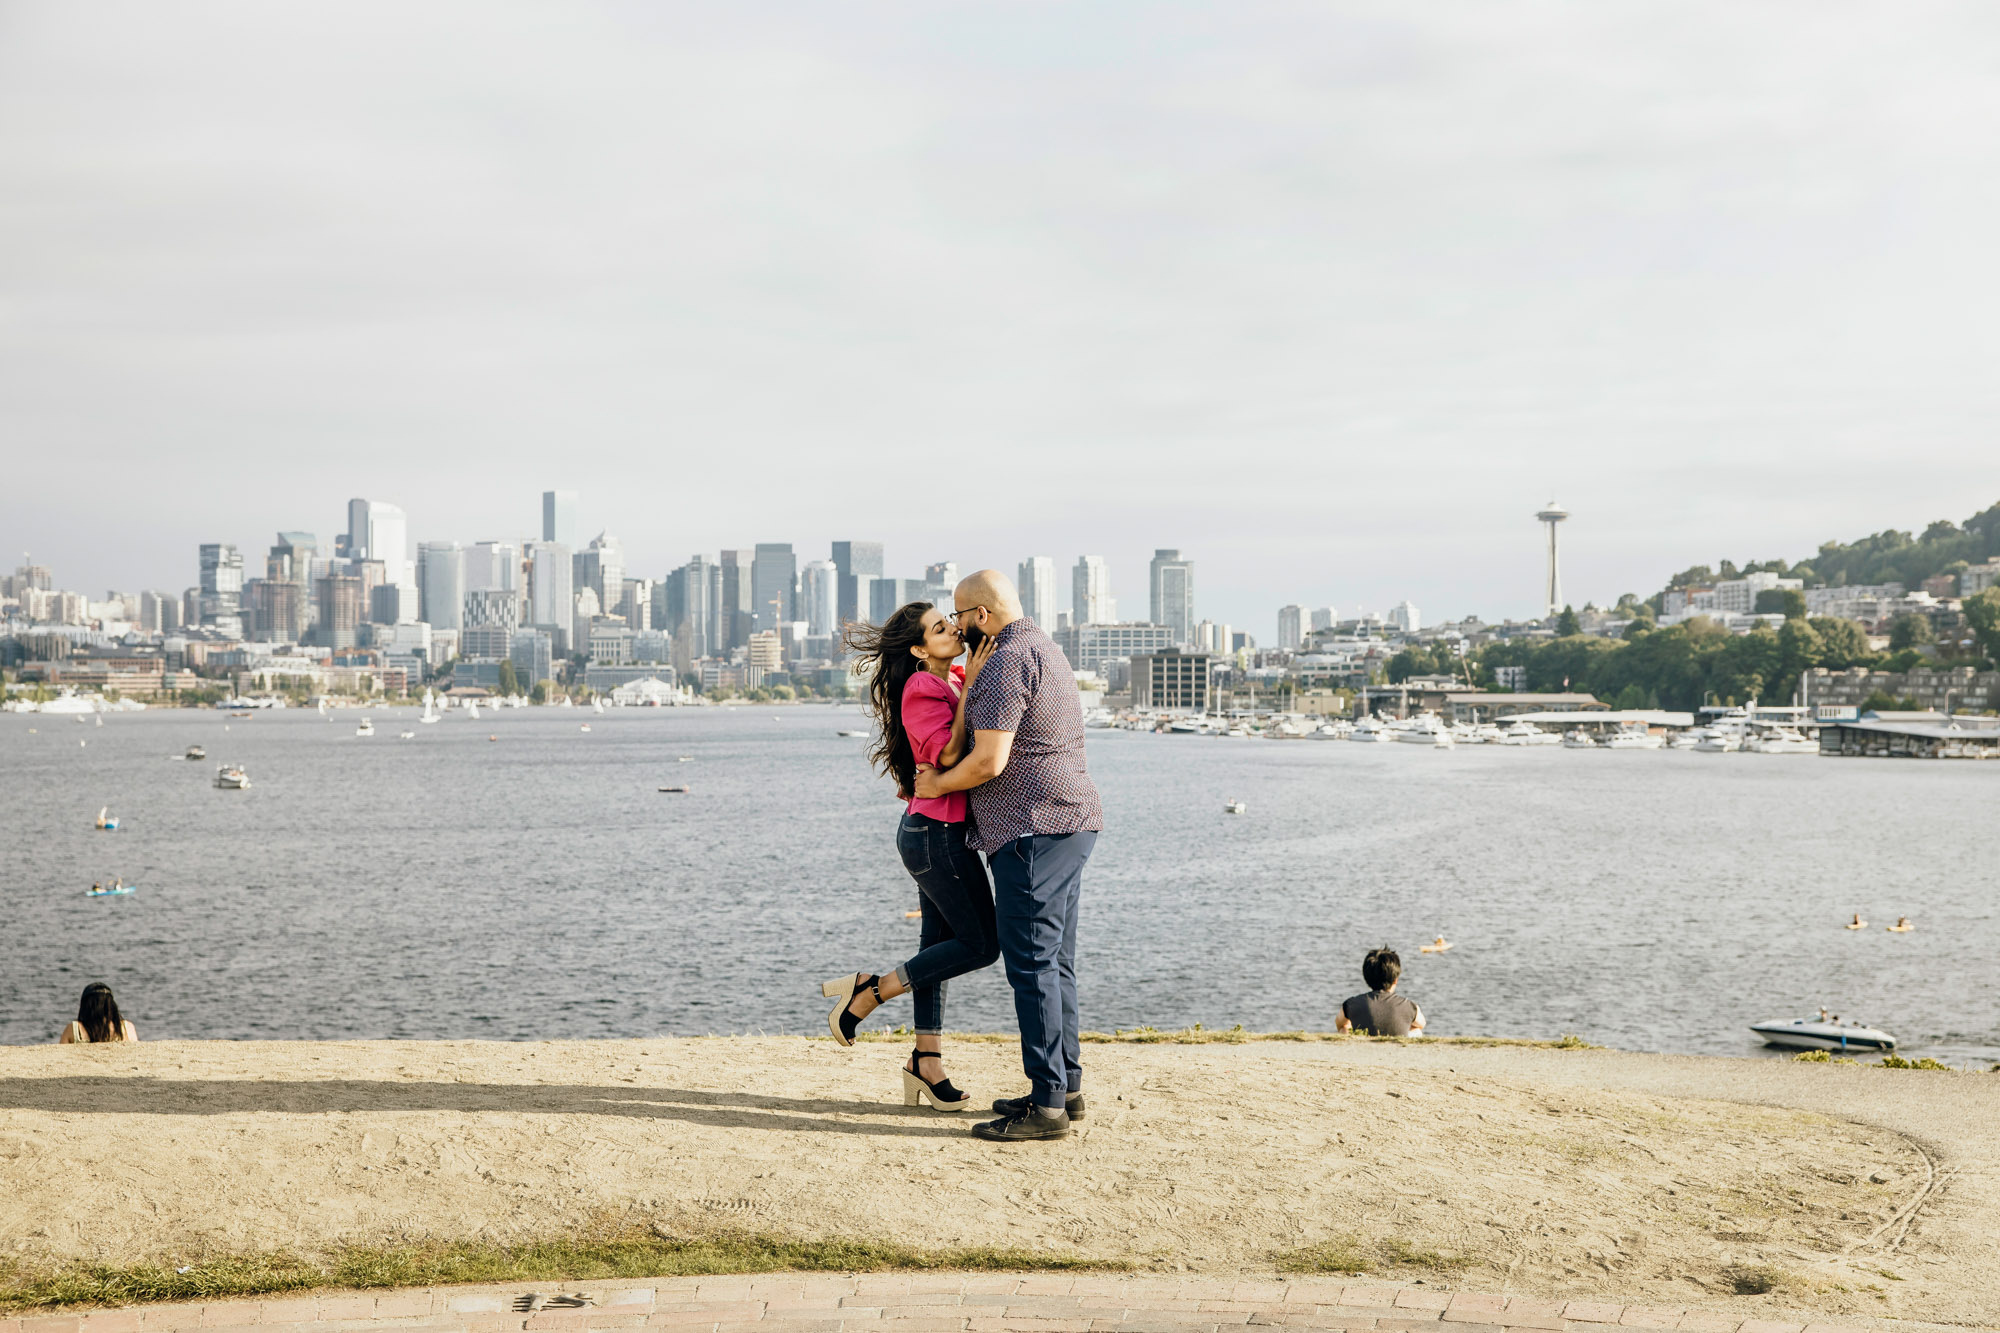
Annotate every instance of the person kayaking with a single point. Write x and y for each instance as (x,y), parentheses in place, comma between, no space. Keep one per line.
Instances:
(1857,923)
(1902,925)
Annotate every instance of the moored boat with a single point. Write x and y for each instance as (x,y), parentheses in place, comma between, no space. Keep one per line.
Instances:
(1822,1034)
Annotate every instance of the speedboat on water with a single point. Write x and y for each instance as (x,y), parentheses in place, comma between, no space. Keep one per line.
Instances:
(231,777)
(1423,729)
(1370,730)
(1781,740)
(1634,738)
(1578,739)
(1823,1034)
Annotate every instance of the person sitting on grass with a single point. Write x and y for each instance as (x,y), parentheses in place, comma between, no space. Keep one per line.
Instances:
(97,1019)
(1381,1012)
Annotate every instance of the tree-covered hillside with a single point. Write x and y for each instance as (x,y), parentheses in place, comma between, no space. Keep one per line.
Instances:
(1887,557)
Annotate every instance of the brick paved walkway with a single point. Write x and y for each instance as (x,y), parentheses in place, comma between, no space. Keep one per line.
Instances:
(917,1303)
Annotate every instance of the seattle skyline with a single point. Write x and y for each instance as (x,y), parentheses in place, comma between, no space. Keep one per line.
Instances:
(1331,297)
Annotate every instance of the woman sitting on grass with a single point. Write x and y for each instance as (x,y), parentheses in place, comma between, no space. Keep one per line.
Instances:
(97,1019)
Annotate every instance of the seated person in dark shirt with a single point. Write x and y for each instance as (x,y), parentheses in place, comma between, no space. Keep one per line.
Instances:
(1381,1012)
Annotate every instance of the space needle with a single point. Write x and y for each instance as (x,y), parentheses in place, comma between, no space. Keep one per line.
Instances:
(1552,514)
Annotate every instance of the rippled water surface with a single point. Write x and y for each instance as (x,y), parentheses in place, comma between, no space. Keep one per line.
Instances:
(539,885)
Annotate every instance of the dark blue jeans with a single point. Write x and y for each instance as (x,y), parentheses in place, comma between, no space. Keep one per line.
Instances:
(1036,883)
(957,901)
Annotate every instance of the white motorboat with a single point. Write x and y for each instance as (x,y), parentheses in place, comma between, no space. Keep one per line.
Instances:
(1184,726)
(196,752)
(1688,738)
(231,777)
(1634,738)
(1527,733)
(1781,740)
(1823,1034)
(1330,731)
(1234,808)
(1578,739)
(71,703)
(1720,740)
(1370,730)
(367,727)
(1423,729)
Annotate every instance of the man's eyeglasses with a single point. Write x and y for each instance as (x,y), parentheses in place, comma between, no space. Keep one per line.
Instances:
(958,617)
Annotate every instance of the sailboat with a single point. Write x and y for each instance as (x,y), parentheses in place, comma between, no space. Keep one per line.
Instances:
(472,709)
(430,713)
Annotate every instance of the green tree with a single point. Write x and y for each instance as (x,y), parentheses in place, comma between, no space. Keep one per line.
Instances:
(1910,629)
(1799,650)
(1843,643)
(508,684)
(540,694)
(1982,613)
(1566,624)
(1789,602)
(1878,702)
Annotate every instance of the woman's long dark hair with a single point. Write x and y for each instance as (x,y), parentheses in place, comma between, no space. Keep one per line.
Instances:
(889,644)
(98,1013)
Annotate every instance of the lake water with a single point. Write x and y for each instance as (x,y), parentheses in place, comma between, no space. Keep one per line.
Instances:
(539,885)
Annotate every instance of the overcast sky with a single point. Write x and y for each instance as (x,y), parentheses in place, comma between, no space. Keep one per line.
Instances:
(1331,296)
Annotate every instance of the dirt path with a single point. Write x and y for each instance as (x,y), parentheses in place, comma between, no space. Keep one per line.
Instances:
(1548,1173)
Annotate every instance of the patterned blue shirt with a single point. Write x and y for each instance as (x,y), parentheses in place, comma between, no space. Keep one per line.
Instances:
(1027,687)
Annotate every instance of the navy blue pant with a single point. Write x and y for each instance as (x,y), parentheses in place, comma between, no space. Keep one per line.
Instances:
(1036,883)
(957,902)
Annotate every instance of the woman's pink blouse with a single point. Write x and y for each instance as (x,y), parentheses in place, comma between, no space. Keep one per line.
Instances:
(929,705)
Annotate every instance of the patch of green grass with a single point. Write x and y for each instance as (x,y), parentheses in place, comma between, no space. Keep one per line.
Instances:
(629,1254)
(1352,1254)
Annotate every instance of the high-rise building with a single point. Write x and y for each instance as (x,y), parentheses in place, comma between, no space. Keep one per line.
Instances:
(559,518)
(1090,592)
(340,610)
(441,585)
(378,530)
(735,617)
(1172,601)
(392,604)
(221,598)
(819,597)
(854,560)
(943,574)
(886,595)
(1092,647)
(493,567)
(492,608)
(635,603)
(551,595)
(774,579)
(690,607)
(1403,616)
(600,567)
(1036,582)
(1324,617)
(1291,628)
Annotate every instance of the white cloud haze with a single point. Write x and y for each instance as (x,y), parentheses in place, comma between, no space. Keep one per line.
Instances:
(1332,297)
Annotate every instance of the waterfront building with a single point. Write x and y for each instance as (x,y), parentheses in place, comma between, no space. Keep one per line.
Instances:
(1172,594)
(559,519)
(774,577)
(610,642)
(1939,689)
(1090,600)
(1091,648)
(1291,628)
(1036,582)
(1978,578)
(532,652)
(819,597)
(441,584)
(1911,736)
(766,654)
(1174,679)
(1403,616)
(853,561)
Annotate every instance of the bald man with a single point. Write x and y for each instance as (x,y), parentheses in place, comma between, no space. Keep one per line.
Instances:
(1035,813)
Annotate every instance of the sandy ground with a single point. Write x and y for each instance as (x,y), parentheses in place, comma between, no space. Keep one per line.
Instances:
(1856,1191)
